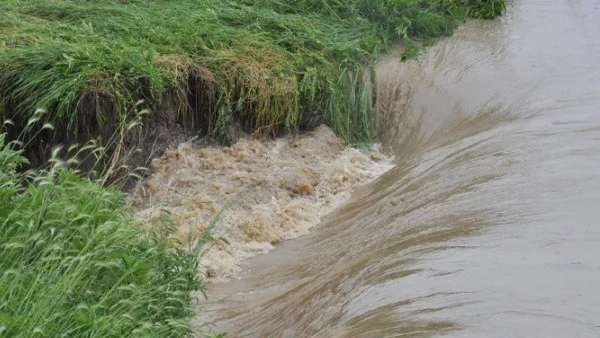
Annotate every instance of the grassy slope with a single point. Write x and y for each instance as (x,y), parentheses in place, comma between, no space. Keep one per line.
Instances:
(269,64)
(73,264)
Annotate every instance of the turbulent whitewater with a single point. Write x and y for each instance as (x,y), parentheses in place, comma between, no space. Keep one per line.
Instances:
(486,226)
(259,193)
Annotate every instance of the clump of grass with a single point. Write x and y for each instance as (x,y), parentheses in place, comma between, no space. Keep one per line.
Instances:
(269,65)
(74,264)
(483,9)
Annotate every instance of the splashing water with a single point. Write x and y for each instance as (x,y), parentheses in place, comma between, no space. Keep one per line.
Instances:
(270,191)
(487,226)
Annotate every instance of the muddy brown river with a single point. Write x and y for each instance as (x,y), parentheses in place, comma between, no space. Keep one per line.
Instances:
(488,225)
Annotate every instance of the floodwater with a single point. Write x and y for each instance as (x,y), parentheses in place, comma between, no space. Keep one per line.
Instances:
(487,225)
(252,195)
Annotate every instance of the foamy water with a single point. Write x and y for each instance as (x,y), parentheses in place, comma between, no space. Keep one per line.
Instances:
(488,224)
(268,192)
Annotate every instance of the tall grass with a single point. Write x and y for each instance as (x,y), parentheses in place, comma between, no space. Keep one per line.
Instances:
(73,264)
(269,65)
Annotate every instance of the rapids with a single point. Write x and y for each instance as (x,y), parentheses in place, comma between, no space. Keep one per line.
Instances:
(486,226)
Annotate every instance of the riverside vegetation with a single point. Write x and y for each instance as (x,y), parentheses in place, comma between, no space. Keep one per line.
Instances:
(270,65)
(73,263)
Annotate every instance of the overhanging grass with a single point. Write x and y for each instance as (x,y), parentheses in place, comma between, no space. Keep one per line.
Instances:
(271,65)
(73,264)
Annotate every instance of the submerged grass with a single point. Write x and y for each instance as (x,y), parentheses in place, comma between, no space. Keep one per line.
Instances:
(73,264)
(269,65)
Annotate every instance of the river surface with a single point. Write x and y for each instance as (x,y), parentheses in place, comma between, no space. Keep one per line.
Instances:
(488,225)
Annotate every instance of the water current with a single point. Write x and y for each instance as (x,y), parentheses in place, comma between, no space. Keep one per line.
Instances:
(486,226)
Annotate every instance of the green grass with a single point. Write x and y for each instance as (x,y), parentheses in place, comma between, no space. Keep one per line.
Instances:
(73,264)
(270,65)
